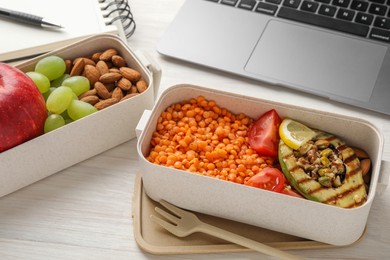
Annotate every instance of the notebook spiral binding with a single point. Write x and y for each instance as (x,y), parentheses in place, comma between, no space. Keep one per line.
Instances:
(119,10)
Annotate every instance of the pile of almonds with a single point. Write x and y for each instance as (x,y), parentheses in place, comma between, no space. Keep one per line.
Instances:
(110,78)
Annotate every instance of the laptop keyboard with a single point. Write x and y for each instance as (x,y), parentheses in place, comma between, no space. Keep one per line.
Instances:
(370,19)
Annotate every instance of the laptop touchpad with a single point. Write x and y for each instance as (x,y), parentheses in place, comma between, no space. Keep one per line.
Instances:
(317,61)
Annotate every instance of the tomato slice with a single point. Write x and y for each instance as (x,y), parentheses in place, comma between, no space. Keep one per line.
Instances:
(263,135)
(289,191)
(268,179)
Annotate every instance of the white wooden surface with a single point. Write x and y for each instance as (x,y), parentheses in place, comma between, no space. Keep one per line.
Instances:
(84,212)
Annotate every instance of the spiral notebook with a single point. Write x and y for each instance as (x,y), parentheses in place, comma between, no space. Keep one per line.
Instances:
(80,19)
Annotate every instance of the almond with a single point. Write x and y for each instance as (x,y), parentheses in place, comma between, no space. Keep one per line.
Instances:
(68,66)
(91,92)
(117,94)
(102,67)
(130,74)
(132,90)
(116,70)
(110,86)
(365,164)
(109,64)
(78,67)
(95,56)
(90,99)
(141,85)
(118,61)
(107,54)
(101,90)
(105,103)
(92,74)
(129,96)
(76,60)
(88,61)
(110,77)
(124,84)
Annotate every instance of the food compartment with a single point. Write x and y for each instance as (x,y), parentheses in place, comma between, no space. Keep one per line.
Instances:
(300,217)
(85,137)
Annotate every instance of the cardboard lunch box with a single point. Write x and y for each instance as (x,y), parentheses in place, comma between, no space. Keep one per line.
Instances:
(266,209)
(77,141)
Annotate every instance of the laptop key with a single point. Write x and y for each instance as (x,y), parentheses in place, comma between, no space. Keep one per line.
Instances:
(342,3)
(327,10)
(379,34)
(377,9)
(247,4)
(291,3)
(324,1)
(274,1)
(229,2)
(266,8)
(323,21)
(378,1)
(309,6)
(364,18)
(359,5)
(382,22)
(345,14)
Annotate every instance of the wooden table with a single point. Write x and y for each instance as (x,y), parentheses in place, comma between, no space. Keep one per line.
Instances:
(84,212)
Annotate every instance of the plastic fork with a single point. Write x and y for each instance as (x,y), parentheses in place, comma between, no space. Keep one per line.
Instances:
(184,223)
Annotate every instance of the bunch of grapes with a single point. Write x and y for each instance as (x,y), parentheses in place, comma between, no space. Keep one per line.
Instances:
(61,92)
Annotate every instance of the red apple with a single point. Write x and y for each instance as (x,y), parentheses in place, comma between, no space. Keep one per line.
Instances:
(22,108)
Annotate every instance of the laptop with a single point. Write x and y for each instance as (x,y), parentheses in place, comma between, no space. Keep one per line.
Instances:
(338,49)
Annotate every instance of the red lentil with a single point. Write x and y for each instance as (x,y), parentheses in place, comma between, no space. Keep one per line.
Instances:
(199,136)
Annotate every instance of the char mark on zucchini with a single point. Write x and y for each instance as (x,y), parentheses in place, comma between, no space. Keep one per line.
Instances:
(325,169)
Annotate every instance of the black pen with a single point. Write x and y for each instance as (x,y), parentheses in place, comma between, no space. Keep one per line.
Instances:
(27,18)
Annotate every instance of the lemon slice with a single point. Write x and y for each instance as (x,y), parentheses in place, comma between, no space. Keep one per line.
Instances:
(294,134)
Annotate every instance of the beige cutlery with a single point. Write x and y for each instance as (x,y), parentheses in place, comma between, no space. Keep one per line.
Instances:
(184,223)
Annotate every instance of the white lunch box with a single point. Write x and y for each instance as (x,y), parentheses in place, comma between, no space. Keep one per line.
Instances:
(271,210)
(86,137)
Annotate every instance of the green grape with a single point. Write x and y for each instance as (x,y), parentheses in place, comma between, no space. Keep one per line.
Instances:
(52,67)
(40,80)
(52,122)
(66,117)
(68,120)
(75,97)
(79,84)
(79,109)
(59,100)
(47,93)
(58,82)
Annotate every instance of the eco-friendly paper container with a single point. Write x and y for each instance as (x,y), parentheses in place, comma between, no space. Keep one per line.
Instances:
(271,210)
(84,138)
